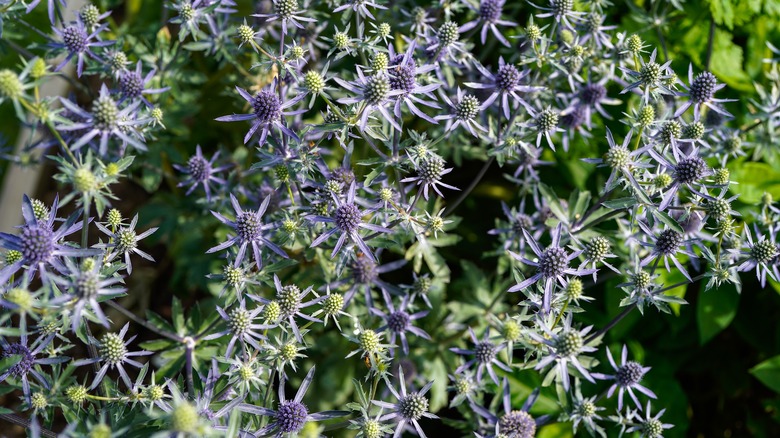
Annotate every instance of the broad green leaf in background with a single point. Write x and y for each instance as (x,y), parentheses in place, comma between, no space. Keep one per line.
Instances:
(768,372)
(754,179)
(715,310)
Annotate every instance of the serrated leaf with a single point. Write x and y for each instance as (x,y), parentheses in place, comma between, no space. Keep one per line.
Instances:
(715,310)
(768,372)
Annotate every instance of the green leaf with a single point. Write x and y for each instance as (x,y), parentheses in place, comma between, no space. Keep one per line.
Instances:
(727,62)
(667,220)
(553,202)
(715,310)
(722,12)
(754,179)
(619,203)
(768,372)
(178,316)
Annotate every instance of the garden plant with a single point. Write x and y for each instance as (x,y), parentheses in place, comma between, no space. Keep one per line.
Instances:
(494,218)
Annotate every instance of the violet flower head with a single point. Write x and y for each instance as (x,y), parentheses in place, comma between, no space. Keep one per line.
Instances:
(347,220)
(666,245)
(292,415)
(28,359)
(490,17)
(700,93)
(268,110)
(485,354)
(201,172)
(79,43)
(40,245)
(517,423)
(249,230)
(403,71)
(627,377)
(552,265)
(398,321)
(505,83)
(132,85)
(687,170)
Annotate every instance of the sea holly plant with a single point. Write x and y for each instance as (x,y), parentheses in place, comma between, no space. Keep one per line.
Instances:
(455,211)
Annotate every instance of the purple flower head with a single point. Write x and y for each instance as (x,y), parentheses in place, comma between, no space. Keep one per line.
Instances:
(40,245)
(249,230)
(701,92)
(485,354)
(687,170)
(504,83)
(552,265)
(666,245)
(132,85)
(267,112)
(105,121)
(347,220)
(364,274)
(79,43)
(27,360)
(591,96)
(627,377)
(490,17)
(201,172)
(398,321)
(403,73)
(291,415)
(517,423)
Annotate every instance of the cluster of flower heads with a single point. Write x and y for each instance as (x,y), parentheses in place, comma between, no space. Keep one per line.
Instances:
(348,130)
